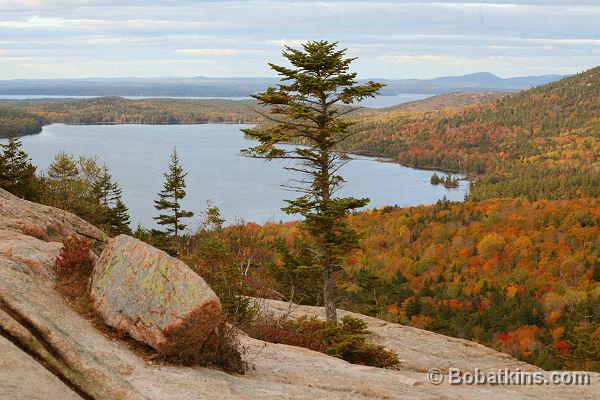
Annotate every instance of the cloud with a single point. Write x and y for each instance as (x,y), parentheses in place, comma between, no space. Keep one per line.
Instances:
(284,42)
(478,39)
(217,52)
(104,40)
(423,58)
(475,62)
(392,38)
(36,22)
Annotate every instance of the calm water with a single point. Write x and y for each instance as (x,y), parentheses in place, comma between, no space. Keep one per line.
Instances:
(376,102)
(241,187)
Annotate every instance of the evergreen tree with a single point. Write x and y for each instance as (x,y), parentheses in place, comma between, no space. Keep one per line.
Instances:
(170,198)
(296,273)
(308,107)
(63,168)
(107,191)
(119,218)
(17,173)
(596,272)
(66,186)
(115,217)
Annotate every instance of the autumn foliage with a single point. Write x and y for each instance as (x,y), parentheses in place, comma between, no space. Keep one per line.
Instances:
(72,269)
(74,258)
(541,143)
(512,274)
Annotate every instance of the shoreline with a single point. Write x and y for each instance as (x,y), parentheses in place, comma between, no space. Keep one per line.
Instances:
(383,158)
(377,157)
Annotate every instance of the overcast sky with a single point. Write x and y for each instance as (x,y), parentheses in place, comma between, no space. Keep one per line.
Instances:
(393,39)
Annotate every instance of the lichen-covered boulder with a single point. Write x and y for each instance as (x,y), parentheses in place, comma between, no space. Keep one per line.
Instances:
(156,298)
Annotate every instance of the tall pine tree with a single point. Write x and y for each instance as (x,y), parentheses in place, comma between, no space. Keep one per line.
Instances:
(170,197)
(17,173)
(309,107)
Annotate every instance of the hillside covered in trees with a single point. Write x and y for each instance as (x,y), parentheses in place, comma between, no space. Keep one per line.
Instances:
(520,276)
(541,143)
(23,117)
(28,116)
(18,122)
(444,101)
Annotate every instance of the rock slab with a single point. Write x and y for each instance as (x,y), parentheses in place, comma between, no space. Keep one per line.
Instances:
(154,297)
(45,223)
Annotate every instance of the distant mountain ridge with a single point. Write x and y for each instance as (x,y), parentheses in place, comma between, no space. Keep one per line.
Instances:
(240,87)
(480,82)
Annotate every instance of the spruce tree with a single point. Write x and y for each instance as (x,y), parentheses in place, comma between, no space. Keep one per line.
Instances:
(115,218)
(309,107)
(119,218)
(170,197)
(70,184)
(17,173)
(107,191)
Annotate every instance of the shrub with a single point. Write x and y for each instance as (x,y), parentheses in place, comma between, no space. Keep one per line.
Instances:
(301,332)
(36,232)
(72,269)
(222,350)
(74,258)
(345,340)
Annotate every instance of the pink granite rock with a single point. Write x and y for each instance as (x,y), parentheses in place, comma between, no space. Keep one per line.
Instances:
(156,298)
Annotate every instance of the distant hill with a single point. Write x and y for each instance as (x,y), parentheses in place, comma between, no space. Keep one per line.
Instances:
(444,101)
(148,87)
(23,117)
(18,122)
(486,79)
(478,82)
(539,143)
(241,87)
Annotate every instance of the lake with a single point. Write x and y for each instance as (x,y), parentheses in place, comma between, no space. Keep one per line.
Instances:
(246,188)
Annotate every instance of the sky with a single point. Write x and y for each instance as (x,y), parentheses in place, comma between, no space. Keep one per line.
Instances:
(392,39)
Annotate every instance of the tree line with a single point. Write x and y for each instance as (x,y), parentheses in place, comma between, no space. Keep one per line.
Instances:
(18,122)
(27,117)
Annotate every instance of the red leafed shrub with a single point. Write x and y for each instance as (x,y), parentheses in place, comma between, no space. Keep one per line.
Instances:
(72,268)
(222,350)
(74,258)
(562,347)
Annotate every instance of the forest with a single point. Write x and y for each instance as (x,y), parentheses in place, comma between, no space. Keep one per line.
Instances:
(27,116)
(520,276)
(18,122)
(542,143)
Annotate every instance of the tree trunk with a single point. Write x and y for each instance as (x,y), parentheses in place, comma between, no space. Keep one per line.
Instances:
(329,294)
